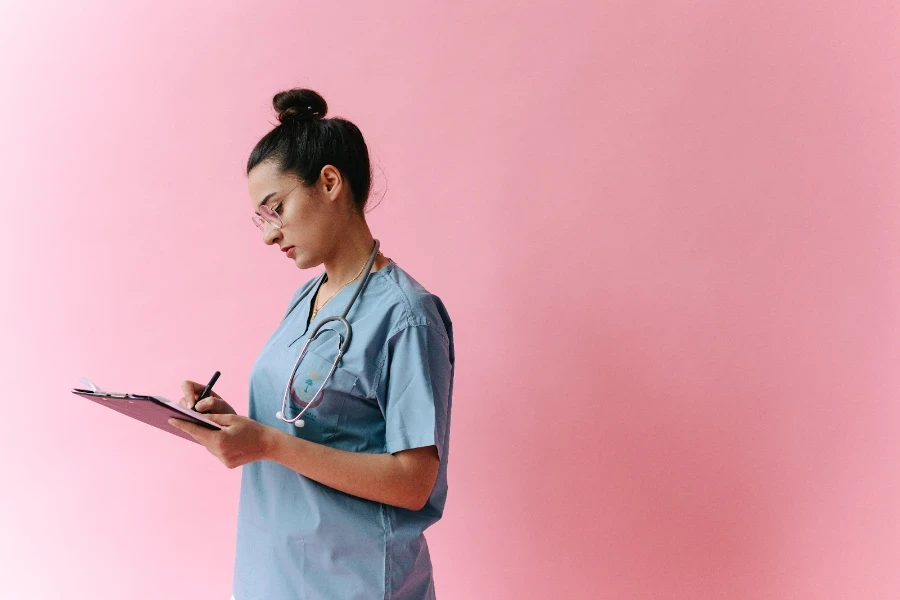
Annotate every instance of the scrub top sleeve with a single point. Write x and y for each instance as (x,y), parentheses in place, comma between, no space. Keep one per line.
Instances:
(416,398)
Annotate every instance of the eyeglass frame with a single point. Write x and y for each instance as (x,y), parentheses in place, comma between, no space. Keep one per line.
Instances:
(274,218)
(269,215)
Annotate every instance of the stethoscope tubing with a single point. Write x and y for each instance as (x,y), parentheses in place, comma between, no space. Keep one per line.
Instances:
(345,343)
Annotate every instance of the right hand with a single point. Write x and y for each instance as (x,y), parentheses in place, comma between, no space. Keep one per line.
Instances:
(211,404)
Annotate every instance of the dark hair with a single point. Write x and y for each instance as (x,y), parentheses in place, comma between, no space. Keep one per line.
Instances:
(305,141)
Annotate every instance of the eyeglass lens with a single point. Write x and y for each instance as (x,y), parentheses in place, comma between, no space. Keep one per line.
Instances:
(266,214)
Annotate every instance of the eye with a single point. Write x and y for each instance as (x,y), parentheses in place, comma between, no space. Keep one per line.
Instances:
(277,209)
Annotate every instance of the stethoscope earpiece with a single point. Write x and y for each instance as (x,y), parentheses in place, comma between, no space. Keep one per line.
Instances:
(298,423)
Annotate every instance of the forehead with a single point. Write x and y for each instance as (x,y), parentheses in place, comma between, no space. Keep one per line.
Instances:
(265,179)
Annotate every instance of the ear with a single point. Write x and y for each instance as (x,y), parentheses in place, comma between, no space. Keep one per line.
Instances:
(330,181)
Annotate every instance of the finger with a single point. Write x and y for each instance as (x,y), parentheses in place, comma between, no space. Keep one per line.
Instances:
(214,406)
(189,394)
(221,419)
(190,428)
(208,404)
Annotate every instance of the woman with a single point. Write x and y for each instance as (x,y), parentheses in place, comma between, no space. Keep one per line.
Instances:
(336,508)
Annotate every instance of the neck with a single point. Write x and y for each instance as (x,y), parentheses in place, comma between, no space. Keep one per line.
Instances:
(350,256)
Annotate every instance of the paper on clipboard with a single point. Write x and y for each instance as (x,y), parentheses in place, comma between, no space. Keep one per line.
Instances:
(153,410)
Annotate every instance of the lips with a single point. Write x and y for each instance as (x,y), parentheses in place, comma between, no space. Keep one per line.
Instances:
(289,251)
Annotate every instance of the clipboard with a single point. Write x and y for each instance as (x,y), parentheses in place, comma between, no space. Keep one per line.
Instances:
(152,410)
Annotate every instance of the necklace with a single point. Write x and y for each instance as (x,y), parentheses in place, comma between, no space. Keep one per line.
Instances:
(317,309)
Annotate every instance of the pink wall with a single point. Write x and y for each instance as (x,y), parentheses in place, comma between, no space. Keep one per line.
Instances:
(667,235)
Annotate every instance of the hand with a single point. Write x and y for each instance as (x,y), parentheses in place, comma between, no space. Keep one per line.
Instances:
(211,404)
(240,441)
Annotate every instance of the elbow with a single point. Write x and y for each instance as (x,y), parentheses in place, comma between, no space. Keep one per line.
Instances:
(421,467)
(419,504)
(423,493)
(416,505)
(416,499)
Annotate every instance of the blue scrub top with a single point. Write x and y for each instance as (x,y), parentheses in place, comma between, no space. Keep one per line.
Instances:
(298,539)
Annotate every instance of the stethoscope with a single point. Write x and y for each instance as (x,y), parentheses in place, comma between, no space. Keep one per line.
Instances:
(345,341)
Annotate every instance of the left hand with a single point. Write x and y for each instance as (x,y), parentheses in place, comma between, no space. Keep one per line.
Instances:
(240,441)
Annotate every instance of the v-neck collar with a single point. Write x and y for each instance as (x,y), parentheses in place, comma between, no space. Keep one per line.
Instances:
(312,299)
(328,310)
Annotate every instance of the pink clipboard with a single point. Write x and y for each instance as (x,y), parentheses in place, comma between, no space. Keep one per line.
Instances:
(152,410)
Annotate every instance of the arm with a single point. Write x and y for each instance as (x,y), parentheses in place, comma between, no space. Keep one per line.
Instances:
(415,393)
(403,479)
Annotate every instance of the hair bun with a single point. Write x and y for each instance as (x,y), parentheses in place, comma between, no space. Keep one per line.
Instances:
(299,104)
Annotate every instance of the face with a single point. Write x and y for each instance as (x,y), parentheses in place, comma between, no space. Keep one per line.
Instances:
(307,213)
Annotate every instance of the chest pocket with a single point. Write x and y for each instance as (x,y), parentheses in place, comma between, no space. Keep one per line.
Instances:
(324,413)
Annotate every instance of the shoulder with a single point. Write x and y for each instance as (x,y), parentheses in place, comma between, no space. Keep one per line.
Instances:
(410,304)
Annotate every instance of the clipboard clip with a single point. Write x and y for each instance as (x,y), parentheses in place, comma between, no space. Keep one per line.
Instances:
(94,388)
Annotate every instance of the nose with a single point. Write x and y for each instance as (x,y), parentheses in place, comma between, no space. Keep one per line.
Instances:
(271,233)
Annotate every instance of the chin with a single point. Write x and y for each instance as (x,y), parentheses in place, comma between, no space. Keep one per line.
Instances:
(304,262)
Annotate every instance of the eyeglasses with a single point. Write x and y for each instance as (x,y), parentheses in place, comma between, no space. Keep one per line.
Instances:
(268,215)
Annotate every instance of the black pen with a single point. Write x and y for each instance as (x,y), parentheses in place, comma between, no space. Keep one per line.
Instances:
(207,389)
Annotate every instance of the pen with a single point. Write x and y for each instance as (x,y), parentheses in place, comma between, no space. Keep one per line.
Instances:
(207,389)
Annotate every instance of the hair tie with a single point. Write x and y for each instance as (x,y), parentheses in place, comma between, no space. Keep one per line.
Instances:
(307,114)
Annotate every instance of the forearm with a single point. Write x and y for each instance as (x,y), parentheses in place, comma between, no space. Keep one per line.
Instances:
(378,477)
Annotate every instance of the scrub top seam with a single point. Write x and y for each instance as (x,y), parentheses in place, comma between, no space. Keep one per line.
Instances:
(383,355)
(407,307)
(411,321)
(410,316)
(388,533)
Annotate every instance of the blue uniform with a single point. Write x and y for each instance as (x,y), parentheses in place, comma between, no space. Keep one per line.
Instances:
(298,539)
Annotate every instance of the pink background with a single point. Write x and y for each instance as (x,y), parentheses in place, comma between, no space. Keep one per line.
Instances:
(667,234)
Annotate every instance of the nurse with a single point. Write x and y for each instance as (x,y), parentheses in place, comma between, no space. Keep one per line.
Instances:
(337,508)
